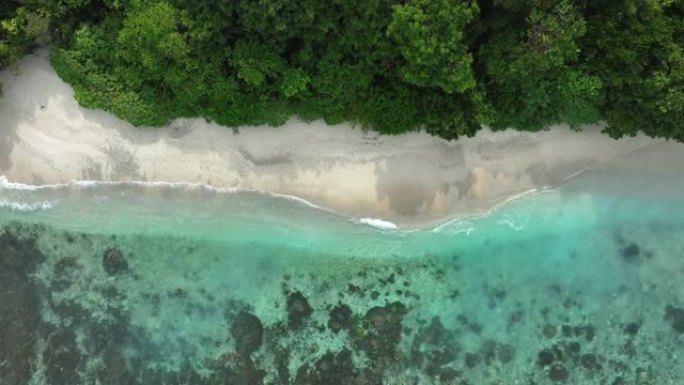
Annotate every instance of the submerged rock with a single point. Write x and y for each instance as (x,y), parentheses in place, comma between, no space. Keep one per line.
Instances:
(566,330)
(675,316)
(558,373)
(243,371)
(549,331)
(590,362)
(545,358)
(19,296)
(488,351)
(572,349)
(505,353)
(631,252)
(65,273)
(62,358)
(433,348)
(113,261)
(298,309)
(379,331)
(330,369)
(18,250)
(632,328)
(248,332)
(471,360)
(340,318)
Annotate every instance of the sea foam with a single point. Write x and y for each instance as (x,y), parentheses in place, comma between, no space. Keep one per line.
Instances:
(26,207)
(378,223)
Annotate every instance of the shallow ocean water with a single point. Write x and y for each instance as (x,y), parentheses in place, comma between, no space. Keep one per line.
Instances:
(182,284)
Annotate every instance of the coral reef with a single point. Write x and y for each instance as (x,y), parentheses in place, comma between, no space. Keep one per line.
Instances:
(92,308)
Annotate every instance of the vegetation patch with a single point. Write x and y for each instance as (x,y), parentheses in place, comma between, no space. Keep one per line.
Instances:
(446,67)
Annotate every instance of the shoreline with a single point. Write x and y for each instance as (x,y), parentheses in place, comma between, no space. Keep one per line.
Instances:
(192,188)
(412,180)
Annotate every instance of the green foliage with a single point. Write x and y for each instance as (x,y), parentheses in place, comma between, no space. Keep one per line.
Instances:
(149,41)
(294,82)
(533,75)
(430,36)
(96,89)
(255,63)
(27,24)
(337,88)
(443,66)
(281,20)
(637,50)
(452,116)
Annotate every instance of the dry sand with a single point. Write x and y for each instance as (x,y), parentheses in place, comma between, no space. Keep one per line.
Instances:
(45,137)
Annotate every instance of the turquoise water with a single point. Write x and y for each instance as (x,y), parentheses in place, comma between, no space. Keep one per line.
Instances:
(180,284)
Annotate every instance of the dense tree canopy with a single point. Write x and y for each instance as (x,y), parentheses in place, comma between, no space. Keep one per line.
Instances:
(444,66)
(533,74)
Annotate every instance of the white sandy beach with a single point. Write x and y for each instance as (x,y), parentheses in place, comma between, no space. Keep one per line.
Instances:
(45,138)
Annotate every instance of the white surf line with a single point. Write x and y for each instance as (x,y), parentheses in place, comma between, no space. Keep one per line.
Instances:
(26,207)
(497,206)
(6,184)
(377,223)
